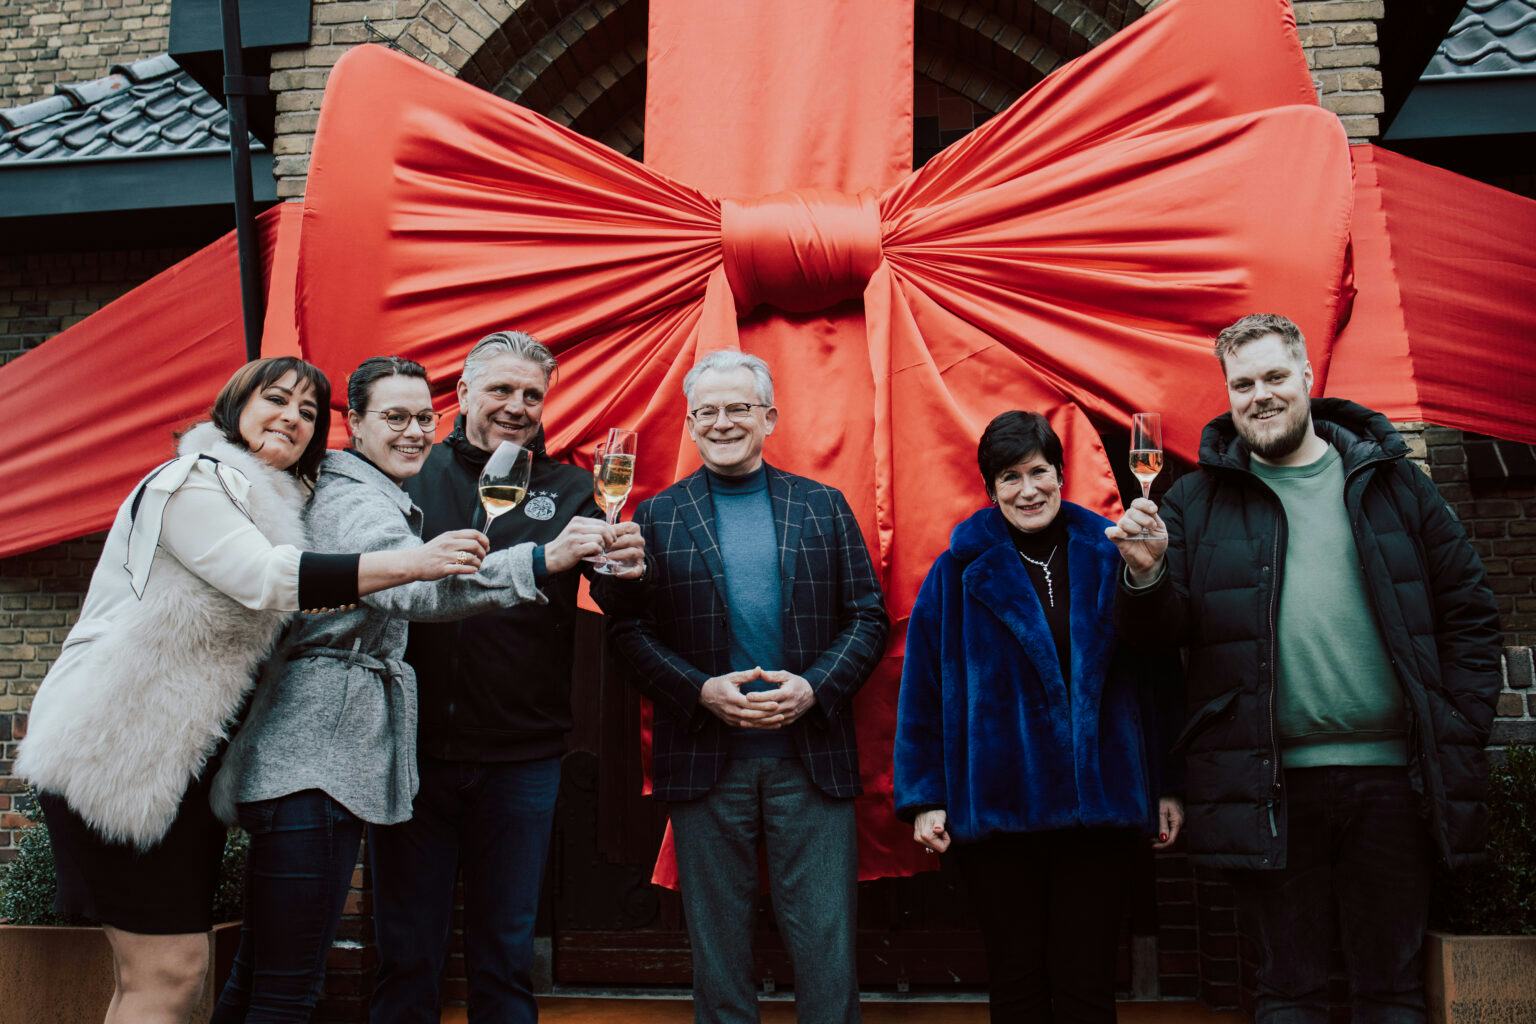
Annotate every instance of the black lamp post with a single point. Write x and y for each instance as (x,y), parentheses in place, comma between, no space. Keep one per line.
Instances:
(236,88)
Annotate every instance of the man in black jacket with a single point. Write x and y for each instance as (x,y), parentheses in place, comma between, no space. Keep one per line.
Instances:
(495,708)
(1343,668)
(758,623)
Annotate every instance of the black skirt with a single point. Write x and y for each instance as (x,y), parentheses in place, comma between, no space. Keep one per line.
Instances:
(165,890)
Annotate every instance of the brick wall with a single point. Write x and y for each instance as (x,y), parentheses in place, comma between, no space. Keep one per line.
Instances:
(45,42)
(299,76)
(1339,37)
(42,294)
(1501,517)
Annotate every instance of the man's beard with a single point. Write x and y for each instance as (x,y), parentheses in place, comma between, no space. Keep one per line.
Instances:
(1277,446)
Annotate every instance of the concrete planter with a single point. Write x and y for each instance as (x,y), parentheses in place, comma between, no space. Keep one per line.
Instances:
(1480,979)
(64,975)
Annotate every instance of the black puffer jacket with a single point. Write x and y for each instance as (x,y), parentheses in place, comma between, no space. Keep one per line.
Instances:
(497,686)
(1220,599)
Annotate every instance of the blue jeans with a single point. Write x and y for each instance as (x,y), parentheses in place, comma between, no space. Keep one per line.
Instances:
(493,820)
(303,851)
(1358,851)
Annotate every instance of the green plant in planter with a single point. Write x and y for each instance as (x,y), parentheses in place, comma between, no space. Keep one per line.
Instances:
(1499,898)
(28,883)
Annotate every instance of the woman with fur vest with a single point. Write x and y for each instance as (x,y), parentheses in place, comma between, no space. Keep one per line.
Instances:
(1022,733)
(201,568)
(330,742)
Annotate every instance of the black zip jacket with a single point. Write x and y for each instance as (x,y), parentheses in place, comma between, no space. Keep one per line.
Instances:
(497,686)
(1220,598)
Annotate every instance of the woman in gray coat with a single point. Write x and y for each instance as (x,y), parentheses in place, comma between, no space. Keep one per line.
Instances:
(330,741)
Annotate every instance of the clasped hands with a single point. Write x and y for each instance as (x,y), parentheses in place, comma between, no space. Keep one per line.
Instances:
(768,709)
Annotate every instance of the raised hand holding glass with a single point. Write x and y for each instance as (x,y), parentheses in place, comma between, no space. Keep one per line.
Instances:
(504,480)
(613,473)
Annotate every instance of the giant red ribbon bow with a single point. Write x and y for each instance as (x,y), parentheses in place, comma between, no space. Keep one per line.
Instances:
(1074,255)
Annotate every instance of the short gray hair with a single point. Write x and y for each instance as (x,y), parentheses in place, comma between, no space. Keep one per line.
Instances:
(726,360)
(508,343)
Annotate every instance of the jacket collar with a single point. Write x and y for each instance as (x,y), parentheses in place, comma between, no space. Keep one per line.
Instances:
(697,510)
(474,458)
(1361,436)
(995,577)
(354,466)
(207,439)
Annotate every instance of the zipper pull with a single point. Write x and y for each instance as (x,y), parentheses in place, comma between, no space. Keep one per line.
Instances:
(1274,830)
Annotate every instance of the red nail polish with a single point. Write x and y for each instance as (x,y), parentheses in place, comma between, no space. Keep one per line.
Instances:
(1163,836)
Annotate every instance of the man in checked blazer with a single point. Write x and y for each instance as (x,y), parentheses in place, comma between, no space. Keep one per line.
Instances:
(757,621)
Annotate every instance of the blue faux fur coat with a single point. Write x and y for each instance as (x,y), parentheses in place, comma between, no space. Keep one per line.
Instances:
(987,728)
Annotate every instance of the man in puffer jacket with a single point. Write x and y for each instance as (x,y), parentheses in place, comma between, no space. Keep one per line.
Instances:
(1343,668)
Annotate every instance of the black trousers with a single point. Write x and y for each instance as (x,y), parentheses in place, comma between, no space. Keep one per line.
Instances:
(1049,905)
(1357,852)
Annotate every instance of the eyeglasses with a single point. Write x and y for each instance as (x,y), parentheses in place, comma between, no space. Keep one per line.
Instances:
(398,419)
(736,412)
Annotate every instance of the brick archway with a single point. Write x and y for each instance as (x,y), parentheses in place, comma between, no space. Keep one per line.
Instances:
(587,72)
(582,62)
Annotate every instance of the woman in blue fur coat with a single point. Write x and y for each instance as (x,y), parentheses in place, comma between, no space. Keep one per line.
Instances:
(1022,733)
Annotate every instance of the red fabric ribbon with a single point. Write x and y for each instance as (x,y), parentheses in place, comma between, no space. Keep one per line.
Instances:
(1074,255)
(799,251)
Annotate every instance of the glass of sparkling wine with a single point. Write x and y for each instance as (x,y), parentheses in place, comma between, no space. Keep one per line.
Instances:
(613,474)
(504,480)
(1146,450)
(598,497)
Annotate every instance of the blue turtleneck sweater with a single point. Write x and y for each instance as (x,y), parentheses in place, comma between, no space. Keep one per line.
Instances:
(749,551)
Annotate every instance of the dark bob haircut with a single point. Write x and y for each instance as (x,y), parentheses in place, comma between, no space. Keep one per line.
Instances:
(370,371)
(1012,437)
(255,377)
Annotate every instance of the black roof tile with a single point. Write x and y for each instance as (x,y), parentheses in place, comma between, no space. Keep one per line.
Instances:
(1488,37)
(149,106)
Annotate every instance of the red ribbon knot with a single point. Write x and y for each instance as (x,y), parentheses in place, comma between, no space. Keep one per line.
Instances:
(799,251)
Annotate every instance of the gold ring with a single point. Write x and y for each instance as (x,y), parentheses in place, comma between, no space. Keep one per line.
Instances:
(461,557)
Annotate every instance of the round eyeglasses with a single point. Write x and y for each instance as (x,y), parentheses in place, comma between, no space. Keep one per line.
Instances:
(398,419)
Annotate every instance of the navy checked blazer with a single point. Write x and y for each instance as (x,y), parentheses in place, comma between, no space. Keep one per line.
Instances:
(673,629)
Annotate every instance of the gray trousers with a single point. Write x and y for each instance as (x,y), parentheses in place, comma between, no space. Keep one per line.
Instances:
(812,872)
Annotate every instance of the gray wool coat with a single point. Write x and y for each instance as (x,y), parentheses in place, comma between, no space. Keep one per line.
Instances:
(335,709)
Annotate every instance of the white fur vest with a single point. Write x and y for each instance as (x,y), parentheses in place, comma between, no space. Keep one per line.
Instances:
(151,677)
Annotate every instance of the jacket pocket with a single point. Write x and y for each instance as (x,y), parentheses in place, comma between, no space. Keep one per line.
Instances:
(1203,718)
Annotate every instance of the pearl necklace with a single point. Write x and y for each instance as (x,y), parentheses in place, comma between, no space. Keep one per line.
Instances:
(1045,567)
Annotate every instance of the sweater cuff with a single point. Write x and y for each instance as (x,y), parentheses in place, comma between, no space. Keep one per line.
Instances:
(327,581)
(1141,588)
(540,570)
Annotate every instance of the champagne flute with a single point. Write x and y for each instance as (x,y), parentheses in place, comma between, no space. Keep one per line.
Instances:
(598,497)
(1146,451)
(613,476)
(504,480)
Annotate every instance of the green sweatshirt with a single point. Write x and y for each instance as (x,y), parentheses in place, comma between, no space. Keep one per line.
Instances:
(1339,701)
